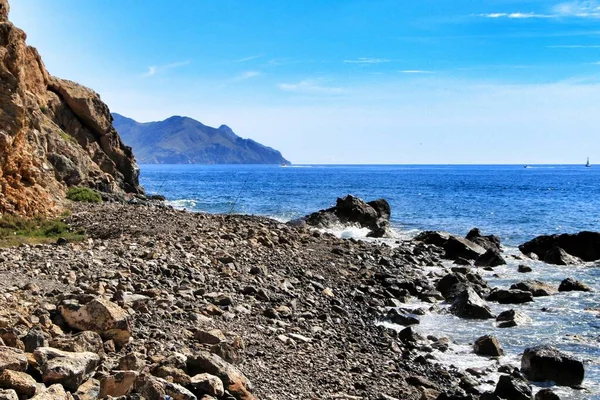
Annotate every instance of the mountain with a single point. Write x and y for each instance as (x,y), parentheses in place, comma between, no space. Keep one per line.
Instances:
(54,134)
(182,140)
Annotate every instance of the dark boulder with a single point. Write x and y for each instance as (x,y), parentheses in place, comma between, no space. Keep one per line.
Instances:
(524,268)
(491,258)
(351,210)
(435,238)
(510,296)
(583,245)
(558,256)
(537,288)
(457,247)
(570,285)
(400,318)
(545,363)
(510,318)
(468,304)
(490,242)
(546,394)
(488,346)
(513,388)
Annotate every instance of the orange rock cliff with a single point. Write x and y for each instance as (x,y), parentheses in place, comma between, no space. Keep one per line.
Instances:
(54,134)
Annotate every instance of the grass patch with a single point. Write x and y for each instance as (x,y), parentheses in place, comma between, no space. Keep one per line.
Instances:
(15,230)
(84,194)
(67,137)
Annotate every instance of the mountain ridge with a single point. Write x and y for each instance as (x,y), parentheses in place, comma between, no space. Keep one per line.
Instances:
(184,140)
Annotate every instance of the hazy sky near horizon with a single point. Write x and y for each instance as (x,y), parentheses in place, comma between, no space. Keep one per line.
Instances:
(344,81)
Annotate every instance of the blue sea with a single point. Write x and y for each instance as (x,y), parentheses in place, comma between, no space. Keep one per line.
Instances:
(510,201)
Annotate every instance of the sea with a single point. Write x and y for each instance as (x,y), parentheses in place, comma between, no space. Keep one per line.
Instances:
(514,202)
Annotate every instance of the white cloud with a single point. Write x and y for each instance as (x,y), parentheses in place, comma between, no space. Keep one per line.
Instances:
(364,60)
(515,15)
(309,86)
(155,69)
(571,9)
(242,60)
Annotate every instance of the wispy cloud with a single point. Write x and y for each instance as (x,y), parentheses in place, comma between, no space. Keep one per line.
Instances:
(242,60)
(515,15)
(416,71)
(571,9)
(249,75)
(365,60)
(310,86)
(156,69)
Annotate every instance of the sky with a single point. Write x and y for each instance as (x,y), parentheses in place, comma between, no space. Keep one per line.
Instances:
(344,81)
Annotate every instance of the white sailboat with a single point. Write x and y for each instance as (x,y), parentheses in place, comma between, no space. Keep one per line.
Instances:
(587,164)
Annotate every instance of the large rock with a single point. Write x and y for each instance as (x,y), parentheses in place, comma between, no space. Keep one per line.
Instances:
(8,394)
(118,383)
(456,247)
(351,210)
(13,359)
(79,342)
(510,296)
(468,304)
(235,382)
(583,245)
(513,388)
(68,369)
(54,392)
(153,388)
(535,287)
(510,318)
(53,133)
(570,284)
(211,385)
(545,363)
(491,258)
(99,315)
(20,382)
(488,346)
(490,242)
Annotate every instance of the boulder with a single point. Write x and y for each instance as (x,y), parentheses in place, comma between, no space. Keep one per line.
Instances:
(436,238)
(558,256)
(351,210)
(583,245)
(79,342)
(513,388)
(20,382)
(54,392)
(202,384)
(89,390)
(510,318)
(153,388)
(13,359)
(118,383)
(457,247)
(99,315)
(546,394)
(131,362)
(67,368)
(510,296)
(491,258)
(535,287)
(488,346)
(489,242)
(235,382)
(524,268)
(571,284)
(8,394)
(35,338)
(400,318)
(214,336)
(468,304)
(546,363)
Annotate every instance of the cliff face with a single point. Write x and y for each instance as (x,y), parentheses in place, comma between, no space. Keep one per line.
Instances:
(54,134)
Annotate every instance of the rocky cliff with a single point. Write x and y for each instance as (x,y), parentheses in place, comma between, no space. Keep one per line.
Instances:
(54,133)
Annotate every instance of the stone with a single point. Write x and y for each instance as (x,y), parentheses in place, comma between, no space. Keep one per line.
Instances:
(54,392)
(20,382)
(546,394)
(468,304)
(67,368)
(35,338)
(118,383)
(8,394)
(490,242)
(233,380)
(537,288)
(513,388)
(202,384)
(559,256)
(131,362)
(457,247)
(488,346)
(79,342)
(12,359)
(511,318)
(99,315)
(89,390)
(510,296)
(571,284)
(524,268)
(153,388)
(581,246)
(491,258)
(214,336)
(546,363)
(399,318)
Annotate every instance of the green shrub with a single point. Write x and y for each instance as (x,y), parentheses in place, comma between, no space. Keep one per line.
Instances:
(84,194)
(15,230)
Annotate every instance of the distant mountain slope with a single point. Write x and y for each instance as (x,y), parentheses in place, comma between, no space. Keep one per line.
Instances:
(182,140)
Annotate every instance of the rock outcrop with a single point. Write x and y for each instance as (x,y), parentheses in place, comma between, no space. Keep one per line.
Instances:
(565,249)
(54,133)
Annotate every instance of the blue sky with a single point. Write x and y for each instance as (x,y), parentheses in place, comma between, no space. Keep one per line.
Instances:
(354,81)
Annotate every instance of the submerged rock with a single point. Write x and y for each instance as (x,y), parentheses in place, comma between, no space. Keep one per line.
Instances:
(546,363)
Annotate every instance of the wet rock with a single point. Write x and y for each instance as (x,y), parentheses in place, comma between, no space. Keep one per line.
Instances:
(12,359)
(67,368)
(491,258)
(468,304)
(546,363)
(399,318)
(202,384)
(583,245)
(571,284)
(513,388)
(490,242)
(99,315)
(488,346)
(546,394)
(118,383)
(511,318)
(558,256)
(524,268)
(20,382)
(457,247)
(510,296)
(537,288)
